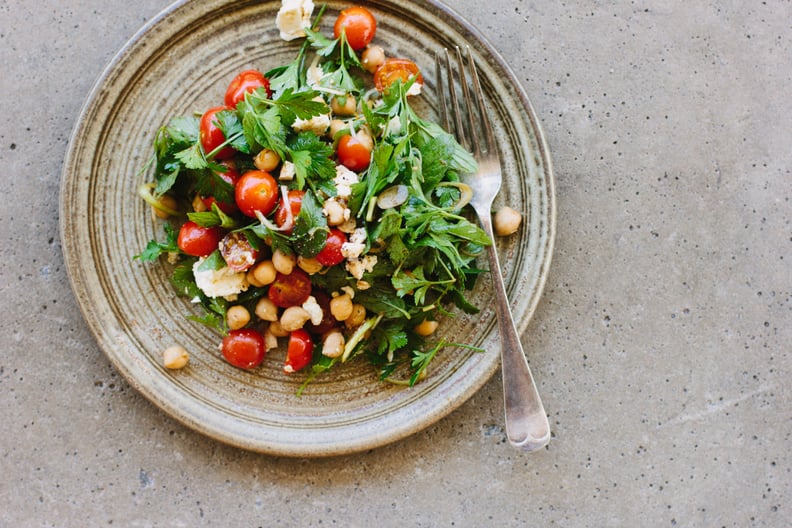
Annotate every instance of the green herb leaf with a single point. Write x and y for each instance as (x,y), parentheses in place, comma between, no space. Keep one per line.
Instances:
(310,228)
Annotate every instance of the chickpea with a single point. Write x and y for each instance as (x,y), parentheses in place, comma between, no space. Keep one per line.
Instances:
(334,212)
(336,126)
(267,160)
(175,357)
(283,263)
(341,307)
(270,341)
(198,205)
(293,318)
(277,330)
(266,310)
(343,105)
(372,57)
(251,278)
(264,272)
(426,328)
(237,317)
(168,202)
(507,221)
(333,344)
(309,265)
(357,317)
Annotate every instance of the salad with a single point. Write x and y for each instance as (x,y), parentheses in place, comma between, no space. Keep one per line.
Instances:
(315,208)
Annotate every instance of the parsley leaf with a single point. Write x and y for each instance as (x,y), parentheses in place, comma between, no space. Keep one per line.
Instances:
(310,228)
(311,158)
(154,249)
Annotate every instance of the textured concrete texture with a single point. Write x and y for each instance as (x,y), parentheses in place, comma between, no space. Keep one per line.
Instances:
(661,346)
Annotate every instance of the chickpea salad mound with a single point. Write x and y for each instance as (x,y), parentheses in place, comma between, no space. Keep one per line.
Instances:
(315,206)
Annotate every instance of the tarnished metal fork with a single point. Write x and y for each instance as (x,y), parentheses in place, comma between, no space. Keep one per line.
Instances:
(526,422)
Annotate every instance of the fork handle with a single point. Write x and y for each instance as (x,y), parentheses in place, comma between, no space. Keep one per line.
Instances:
(527,426)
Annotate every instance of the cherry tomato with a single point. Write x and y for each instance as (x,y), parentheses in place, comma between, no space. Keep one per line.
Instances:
(328,321)
(256,191)
(244,348)
(300,351)
(359,25)
(290,290)
(231,176)
(331,252)
(199,241)
(237,251)
(211,135)
(282,217)
(393,70)
(353,154)
(245,82)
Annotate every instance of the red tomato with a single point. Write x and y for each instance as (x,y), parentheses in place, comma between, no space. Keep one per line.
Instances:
(353,154)
(237,251)
(244,348)
(282,217)
(245,82)
(290,290)
(256,191)
(300,351)
(211,135)
(331,252)
(231,176)
(358,24)
(395,69)
(199,241)
(328,321)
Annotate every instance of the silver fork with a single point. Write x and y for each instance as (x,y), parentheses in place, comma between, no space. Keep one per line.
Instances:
(526,422)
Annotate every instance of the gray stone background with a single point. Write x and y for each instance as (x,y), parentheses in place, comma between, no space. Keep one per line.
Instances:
(661,346)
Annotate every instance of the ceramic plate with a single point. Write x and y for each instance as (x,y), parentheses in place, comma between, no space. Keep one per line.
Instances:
(180,63)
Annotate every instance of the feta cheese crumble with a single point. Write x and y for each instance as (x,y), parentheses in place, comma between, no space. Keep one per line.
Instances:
(344,180)
(356,244)
(293,17)
(224,282)
(357,267)
(314,310)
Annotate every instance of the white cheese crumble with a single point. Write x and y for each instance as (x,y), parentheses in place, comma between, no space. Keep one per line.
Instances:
(356,244)
(344,180)
(224,282)
(293,17)
(415,89)
(317,124)
(287,171)
(314,310)
(357,267)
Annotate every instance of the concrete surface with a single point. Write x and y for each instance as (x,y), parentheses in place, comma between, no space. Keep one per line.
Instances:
(661,347)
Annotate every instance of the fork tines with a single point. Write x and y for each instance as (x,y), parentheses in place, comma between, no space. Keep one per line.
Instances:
(476,133)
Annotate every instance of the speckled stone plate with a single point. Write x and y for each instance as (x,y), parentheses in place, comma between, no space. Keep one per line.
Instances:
(181,62)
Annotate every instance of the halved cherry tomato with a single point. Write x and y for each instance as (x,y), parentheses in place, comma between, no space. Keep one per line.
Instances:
(231,176)
(359,25)
(290,290)
(353,153)
(211,135)
(245,82)
(331,252)
(395,69)
(300,351)
(244,348)
(237,251)
(256,191)
(282,217)
(328,321)
(199,241)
